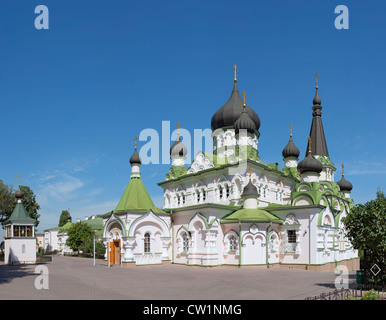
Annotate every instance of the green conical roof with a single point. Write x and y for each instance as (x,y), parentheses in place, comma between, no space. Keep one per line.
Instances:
(19,214)
(257,215)
(136,198)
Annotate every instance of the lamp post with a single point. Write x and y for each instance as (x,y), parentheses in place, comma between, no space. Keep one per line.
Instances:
(94,249)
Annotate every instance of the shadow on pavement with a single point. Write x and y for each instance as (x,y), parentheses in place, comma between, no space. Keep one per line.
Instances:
(8,273)
(331,285)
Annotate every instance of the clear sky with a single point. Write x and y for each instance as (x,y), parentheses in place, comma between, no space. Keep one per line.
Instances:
(73,97)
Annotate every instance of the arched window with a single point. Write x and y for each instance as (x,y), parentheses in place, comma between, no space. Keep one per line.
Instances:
(185,242)
(227,191)
(220,192)
(203,195)
(232,243)
(146,243)
(198,196)
(183,198)
(178,199)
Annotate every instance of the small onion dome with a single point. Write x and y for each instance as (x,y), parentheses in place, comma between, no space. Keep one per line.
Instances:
(344,185)
(244,122)
(309,164)
(317,101)
(290,150)
(227,115)
(250,190)
(19,194)
(135,159)
(178,148)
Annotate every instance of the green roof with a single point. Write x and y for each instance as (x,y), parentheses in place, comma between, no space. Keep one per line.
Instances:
(256,215)
(19,214)
(136,198)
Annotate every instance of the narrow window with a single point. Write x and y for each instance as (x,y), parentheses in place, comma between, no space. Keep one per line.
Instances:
(291,236)
(220,192)
(232,243)
(227,191)
(185,242)
(147,243)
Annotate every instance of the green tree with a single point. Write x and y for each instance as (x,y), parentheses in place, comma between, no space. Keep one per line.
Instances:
(366,229)
(30,204)
(88,246)
(78,234)
(63,218)
(8,202)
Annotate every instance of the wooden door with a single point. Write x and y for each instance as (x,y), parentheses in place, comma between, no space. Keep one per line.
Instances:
(112,253)
(117,251)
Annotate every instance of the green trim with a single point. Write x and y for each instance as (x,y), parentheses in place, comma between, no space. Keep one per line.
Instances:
(251,215)
(267,167)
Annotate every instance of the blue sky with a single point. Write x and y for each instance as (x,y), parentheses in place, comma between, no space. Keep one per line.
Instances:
(73,97)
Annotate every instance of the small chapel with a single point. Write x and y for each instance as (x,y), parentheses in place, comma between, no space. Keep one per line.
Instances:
(20,239)
(230,208)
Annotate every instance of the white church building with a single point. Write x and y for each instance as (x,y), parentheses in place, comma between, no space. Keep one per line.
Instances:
(230,208)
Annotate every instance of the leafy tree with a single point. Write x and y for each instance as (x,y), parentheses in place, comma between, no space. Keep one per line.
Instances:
(78,234)
(366,229)
(63,218)
(88,246)
(30,204)
(8,202)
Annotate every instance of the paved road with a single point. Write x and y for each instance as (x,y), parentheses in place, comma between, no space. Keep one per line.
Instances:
(77,278)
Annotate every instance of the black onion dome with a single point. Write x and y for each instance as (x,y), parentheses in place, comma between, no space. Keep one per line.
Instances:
(135,159)
(178,148)
(344,185)
(250,189)
(19,194)
(290,150)
(317,101)
(244,122)
(309,164)
(227,115)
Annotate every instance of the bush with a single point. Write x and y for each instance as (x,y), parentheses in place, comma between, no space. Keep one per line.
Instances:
(369,295)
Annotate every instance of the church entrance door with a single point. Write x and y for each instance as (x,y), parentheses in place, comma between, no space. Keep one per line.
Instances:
(115,252)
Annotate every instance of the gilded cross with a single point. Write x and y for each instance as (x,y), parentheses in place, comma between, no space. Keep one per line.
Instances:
(178,128)
(135,142)
(290,130)
(342,169)
(244,95)
(235,67)
(309,144)
(250,173)
(317,78)
(19,176)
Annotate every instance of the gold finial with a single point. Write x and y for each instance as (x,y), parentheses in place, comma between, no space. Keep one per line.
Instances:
(235,67)
(135,142)
(317,78)
(309,145)
(178,128)
(342,169)
(244,95)
(19,176)
(290,130)
(250,173)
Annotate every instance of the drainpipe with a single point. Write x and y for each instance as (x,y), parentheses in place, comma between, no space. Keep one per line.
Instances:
(239,244)
(171,216)
(266,240)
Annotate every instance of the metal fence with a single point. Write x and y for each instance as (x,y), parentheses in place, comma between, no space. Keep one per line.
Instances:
(355,291)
